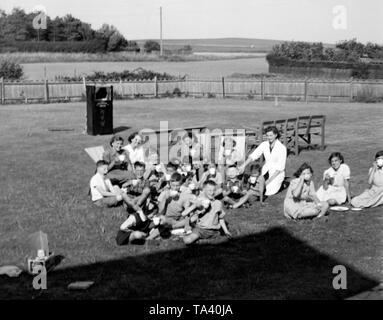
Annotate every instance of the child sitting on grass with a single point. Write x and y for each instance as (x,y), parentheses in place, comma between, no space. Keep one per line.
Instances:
(255,187)
(233,189)
(373,196)
(172,202)
(212,174)
(164,181)
(134,230)
(301,200)
(119,166)
(138,187)
(104,194)
(336,181)
(209,215)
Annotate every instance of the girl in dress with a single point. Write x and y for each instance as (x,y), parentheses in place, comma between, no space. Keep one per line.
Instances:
(373,196)
(301,200)
(336,182)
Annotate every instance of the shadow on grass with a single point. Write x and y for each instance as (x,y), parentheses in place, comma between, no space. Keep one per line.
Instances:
(268,265)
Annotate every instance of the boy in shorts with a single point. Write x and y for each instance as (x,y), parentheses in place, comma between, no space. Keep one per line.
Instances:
(104,194)
(172,202)
(210,216)
(138,187)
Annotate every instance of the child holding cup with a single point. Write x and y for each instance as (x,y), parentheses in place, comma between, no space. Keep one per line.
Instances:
(373,196)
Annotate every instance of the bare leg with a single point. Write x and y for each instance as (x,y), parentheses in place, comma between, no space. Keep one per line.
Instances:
(137,235)
(154,233)
(190,238)
(145,194)
(324,208)
(181,223)
(244,199)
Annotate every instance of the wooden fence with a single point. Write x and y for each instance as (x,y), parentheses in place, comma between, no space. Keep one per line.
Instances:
(262,89)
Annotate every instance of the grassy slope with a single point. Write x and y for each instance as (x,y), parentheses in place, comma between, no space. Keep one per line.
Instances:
(44,186)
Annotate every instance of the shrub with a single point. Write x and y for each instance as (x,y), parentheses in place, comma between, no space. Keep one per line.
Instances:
(10,70)
(361,71)
(366,95)
(91,46)
(138,74)
(168,94)
(151,45)
(177,92)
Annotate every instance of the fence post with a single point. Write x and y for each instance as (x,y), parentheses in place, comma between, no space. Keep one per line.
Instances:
(262,88)
(351,89)
(223,88)
(155,87)
(46,91)
(121,89)
(2,91)
(84,84)
(306,90)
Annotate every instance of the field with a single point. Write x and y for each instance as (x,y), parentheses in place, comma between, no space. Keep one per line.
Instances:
(45,178)
(195,69)
(220,44)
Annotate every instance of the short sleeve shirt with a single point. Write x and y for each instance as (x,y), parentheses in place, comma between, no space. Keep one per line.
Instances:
(98,181)
(231,183)
(110,154)
(175,206)
(210,218)
(343,173)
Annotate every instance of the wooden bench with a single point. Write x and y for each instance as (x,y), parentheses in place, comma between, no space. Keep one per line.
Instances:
(293,132)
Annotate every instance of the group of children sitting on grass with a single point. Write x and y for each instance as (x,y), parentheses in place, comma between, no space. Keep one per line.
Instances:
(303,201)
(161,198)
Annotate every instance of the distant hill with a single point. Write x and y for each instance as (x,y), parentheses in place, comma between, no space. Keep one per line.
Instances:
(220,44)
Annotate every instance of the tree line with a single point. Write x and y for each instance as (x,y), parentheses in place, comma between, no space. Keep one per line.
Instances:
(61,34)
(347,54)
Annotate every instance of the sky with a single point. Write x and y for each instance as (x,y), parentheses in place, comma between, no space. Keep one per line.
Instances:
(299,20)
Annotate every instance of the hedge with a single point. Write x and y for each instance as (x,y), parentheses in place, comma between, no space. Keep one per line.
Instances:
(91,46)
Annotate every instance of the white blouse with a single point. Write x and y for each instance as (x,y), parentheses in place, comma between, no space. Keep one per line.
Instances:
(136,154)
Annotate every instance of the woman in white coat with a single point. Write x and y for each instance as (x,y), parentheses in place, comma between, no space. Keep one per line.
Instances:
(275,154)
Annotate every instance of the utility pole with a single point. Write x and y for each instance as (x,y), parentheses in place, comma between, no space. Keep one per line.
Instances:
(161,47)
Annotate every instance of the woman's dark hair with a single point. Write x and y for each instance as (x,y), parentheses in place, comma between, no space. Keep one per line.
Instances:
(379,154)
(335,155)
(302,168)
(274,130)
(132,136)
(116,138)
(229,138)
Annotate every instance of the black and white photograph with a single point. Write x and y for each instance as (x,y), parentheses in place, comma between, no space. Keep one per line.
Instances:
(199,153)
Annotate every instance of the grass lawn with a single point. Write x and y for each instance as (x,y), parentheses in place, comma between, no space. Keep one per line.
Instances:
(44,184)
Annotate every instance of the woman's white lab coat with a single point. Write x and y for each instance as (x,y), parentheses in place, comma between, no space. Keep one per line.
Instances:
(274,160)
